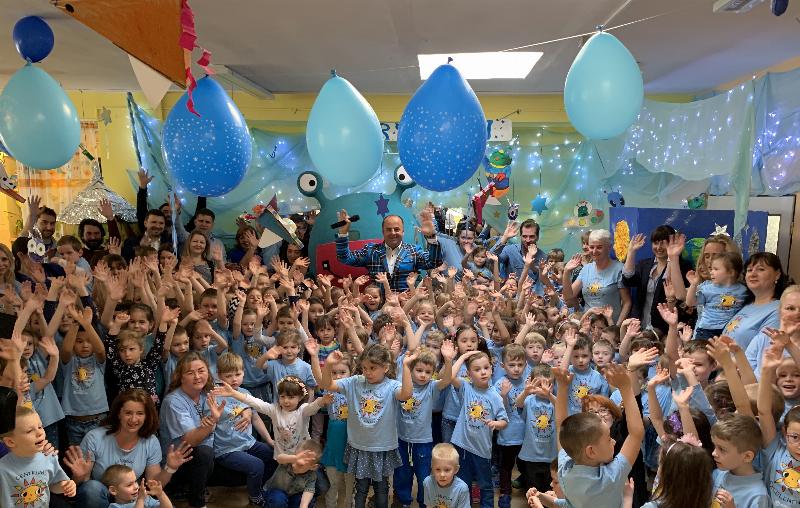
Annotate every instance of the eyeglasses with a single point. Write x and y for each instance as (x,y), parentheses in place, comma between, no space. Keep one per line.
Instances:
(601,412)
(793,438)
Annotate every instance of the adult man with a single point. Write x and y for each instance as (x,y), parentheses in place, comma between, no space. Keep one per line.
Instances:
(44,219)
(393,256)
(154,235)
(512,256)
(92,234)
(204,223)
(142,208)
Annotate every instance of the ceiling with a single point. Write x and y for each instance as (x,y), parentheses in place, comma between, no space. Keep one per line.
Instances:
(291,45)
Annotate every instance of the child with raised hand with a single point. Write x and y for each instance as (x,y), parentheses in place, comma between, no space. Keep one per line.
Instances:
(721,297)
(466,339)
(414,422)
(128,493)
(248,342)
(83,358)
(176,341)
(283,360)
(589,473)
(371,452)
(585,380)
(482,412)
(204,339)
(125,351)
(781,449)
(539,446)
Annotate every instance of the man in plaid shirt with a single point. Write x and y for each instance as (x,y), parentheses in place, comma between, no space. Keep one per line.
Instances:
(393,256)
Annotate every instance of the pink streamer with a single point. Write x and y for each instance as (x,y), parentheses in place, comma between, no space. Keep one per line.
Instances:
(188,41)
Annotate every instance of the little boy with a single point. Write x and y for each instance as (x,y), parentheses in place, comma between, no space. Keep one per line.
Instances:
(585,380)
(293,484)
(589,473)
(443,488)
(288,349)
(128,493)
(27,476)
(539,446)
(509,440)
(534,344)
(737,441)
(602,353)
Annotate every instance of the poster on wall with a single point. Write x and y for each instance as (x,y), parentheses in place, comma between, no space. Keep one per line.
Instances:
(697,225)
(496,130)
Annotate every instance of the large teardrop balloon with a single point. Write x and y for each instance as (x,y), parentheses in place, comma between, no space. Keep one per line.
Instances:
(442,134)
(604,91)
(38,122)
(343,134)
(207,155)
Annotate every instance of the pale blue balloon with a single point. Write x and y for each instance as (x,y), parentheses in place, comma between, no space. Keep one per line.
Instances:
(604,90)
(442,134)
(343,134)
(207,155)
(38,122)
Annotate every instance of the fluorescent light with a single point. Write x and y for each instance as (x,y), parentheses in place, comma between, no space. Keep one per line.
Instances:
(226,75)
(491,65)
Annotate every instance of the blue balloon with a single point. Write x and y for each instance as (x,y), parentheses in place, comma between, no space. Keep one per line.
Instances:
(38,123)
(33,38)
(604,91)
(343,134)
(442,134)
(207,155)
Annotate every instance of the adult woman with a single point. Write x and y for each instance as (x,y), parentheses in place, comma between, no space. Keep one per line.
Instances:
(196,252)
(126,436)
(766,281)
(789,321)
(600,282)
(7,276)
(246,246)
(190,414)
(648,275)
(715,244)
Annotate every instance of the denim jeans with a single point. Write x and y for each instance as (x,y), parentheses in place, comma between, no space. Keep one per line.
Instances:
(257,463)
(76,429)
(92,494)
(416,462)
(276,498)
(381,489)
(195,474)
(477,469)
(448,427)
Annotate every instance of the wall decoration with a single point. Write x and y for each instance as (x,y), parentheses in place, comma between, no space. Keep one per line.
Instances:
(615,198)
(539,204)
(622,239)
(497,167)
(699,202)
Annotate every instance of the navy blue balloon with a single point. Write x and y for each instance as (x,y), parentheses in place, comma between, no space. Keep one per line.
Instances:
(207,155)
(442,134)
(33,38)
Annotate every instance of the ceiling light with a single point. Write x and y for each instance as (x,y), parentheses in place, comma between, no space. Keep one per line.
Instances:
(492,65)
(227,76)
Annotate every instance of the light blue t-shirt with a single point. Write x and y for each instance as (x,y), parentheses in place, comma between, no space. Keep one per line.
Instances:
(455,495)
(720,303)
(514,433)
(338,409)
(25,481)
(211,356)
(169,367)
(179,415)
(84,388)
(250,349)
(276,370)
(373,408)
(226,438)
(588,382)
(414,417)
(149,502)
(539,444)
(452,402)
(751,320)
(45,401)
(477,407)
(755,352)
(747,491)
(781,474)
(591,486)
(105,451)
(496,350)
(601,287)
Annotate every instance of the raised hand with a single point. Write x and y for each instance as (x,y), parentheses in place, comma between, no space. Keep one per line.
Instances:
(675,245)
(214,408)
(636,243)
(661,377)
(176,457)
(505,387)
(642,358)
(562,376)
(682,398)
(312,347)
(342,216)
(80,464)
(49,346)
(512,228)
(573,263)
(144,178)
(114,246)
(692,277)
(616,375)
(106,210)
(668,314)
(448,350)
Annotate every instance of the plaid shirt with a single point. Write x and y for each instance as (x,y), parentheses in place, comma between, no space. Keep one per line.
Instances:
(410,258)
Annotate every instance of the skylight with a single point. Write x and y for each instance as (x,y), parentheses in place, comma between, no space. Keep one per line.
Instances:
(492,65)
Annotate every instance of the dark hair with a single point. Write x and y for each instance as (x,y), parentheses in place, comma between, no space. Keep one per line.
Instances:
(155,212)
(731,260)
(112,421)
(661,233)
(325,321)
(673,427)
(148,311)
(46,210)
(208,293)
(681,462)
(293,387)
(91,222)
(529,223)
(206,212)
(579,431)
(240,233)
(771,260)
(185,360)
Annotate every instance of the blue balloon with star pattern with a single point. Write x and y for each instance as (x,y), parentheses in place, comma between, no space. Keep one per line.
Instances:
(442,134)
(207,155)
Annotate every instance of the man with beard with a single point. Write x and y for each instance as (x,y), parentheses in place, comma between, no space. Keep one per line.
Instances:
(92,234)
(512,256)
(43,219)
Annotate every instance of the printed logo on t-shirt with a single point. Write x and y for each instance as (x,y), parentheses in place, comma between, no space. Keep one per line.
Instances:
(410,405)
(476,413)
(732,325)
(371,407)
(786,484)
(727,301)
(29,493)
(338,409)
(594,288)
(441,502)
(237,411)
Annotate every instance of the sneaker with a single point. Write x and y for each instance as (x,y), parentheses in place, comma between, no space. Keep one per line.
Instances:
(476,494)
(504,501)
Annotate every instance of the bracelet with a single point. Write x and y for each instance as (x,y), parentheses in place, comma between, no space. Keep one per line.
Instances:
(169,469)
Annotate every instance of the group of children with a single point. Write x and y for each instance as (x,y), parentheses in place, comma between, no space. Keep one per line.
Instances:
(451,385)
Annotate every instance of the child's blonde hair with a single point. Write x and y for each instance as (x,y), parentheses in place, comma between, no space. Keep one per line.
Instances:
(445,452)
(229,362)
(534,338)
(126,336)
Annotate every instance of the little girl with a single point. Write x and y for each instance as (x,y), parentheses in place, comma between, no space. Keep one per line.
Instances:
(371,453)
(466,341)
(721,297)
(176,342)
(42,368)
(249,343)
(201,334)
(684,476)
(477,262)
(289,416)
(129,364)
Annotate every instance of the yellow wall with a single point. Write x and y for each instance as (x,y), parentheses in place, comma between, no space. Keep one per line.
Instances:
(287,113)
